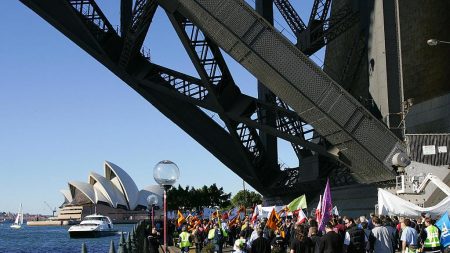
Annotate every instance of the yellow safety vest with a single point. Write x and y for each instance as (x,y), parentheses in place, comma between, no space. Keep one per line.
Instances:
(432,240)
(185,240)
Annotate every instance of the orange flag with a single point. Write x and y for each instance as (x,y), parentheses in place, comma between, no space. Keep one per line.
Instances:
(180,219)
(274,222)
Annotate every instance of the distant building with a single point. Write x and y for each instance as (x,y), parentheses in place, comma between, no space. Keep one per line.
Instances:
(115,194)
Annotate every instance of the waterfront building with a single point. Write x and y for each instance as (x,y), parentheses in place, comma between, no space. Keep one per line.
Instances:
(114,194)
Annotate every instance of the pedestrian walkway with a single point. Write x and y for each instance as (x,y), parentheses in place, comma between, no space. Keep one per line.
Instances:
(173,249)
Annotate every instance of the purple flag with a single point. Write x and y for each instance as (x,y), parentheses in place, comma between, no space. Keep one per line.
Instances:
(327,207)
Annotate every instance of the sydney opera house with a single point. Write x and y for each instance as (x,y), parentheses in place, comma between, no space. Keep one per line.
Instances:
(114,194)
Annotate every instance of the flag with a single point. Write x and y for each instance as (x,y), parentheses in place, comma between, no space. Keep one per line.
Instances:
(233,213)
(327,207)
(335,211)
(215,215)
(207,212)
(180,219)
(301,217)
(218,219)
(274,222)
(255,215)
(444,225)
(319,210)
(298,203)
(283,211)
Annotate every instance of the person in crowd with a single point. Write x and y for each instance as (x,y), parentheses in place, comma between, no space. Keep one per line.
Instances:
(254,236)
(338,226)
(260,244)
(198,236)
(217,237)
(239,246)
(301,242)
(185,240)
(153,242)
(408,237)
(361,220)
(384,240)
(288,226)
(389,224)
(369,236)
(430,237)
(330,242)
(355,239)
(246,230)
(315,238)
(278,244)
(369,221)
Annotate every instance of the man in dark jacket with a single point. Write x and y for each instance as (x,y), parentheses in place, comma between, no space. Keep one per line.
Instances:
(355,239)
(260,244)
(331,242)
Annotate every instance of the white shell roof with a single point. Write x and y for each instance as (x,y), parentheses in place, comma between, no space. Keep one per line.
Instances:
(67,195)
(123,182)
(85,188)
(100,197)
(106,187)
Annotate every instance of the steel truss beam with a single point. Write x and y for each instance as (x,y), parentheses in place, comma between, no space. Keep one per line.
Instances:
(177,95)
(319,11)
(143,13)
(320,29)
(334,113)
(126,9)
(191,89)
(291,16)
(215,76)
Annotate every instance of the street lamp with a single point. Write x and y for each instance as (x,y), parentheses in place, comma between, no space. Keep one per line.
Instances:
(434,42)
(152,201)
(166,173)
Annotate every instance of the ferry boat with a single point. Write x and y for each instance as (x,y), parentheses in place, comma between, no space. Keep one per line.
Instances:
(95,225)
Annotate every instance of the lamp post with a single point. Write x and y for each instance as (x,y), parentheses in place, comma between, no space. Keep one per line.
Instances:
(166,173)
(434,42)
(152,201)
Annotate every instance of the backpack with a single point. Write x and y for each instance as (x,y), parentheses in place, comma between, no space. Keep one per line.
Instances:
(357,241)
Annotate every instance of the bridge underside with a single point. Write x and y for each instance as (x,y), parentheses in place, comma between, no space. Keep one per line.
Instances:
(332,134)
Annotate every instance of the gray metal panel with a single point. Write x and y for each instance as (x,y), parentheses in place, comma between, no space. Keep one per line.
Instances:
(415,150)
(270,57)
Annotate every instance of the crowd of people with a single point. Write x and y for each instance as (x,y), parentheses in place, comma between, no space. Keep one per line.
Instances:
(340,235)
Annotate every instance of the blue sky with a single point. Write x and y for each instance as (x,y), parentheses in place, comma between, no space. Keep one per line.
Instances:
(62,114)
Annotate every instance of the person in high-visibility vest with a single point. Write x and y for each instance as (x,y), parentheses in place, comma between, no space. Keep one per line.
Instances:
(217,236)
(430,237)
(184,240)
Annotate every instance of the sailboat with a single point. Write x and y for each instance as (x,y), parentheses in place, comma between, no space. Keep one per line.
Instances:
(19,219)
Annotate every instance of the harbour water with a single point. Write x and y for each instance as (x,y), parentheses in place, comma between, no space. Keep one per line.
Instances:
(30,239)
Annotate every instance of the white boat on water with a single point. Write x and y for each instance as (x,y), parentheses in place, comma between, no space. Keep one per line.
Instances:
(95,225)
(19,219)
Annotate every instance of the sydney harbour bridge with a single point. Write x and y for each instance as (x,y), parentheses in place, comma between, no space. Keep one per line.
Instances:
(334,117)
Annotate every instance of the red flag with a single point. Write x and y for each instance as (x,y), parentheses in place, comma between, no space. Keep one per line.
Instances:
(301,217)
(254,215)
(319,210)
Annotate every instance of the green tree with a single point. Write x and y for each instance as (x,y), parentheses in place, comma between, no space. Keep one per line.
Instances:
(190,198)
(246,198)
